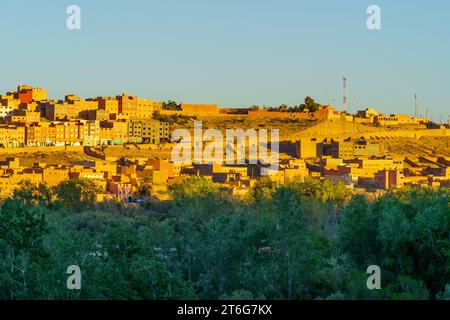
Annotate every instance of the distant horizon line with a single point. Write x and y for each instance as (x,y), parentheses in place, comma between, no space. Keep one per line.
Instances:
(126,92)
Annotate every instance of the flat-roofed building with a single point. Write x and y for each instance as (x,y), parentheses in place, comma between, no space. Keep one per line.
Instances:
(388,179)
(122,190)
(91,132)
(24,116)
(27,94)
(397,119)
(58,111)
(150,131)
(307,148)
(164,165)
(7,105)
(120,132)
(109,104)
(98,115)
(135,108)
(367,113)
(12,135)
(342,149)
(54,175)
(365,148)
(380,164)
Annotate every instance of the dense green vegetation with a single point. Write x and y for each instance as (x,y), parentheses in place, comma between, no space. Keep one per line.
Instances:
(298,241)
(171,105)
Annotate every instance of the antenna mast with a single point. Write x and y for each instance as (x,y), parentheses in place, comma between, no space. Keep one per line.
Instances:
(344,105)
(416,102)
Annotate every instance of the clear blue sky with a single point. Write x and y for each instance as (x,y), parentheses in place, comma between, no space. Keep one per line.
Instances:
(235,52)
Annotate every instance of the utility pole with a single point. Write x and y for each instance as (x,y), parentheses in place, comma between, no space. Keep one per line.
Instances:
(344,105)
(416,102)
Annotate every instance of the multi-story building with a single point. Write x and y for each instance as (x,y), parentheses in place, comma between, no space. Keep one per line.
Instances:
(365,148)
(109,104)
(113,132)
(99,115)
(307,148)
(120,132)
(342,149)
(81,104)
(397,119)
(154,131)
(106,133)
(91,132)
(54,175)
(72,108)
(135,108)
(27,94)
(349,149)
(5,111)
(12,136)
(7,105)
(172,169)
(59,111)
(367,113)
(380,164)
(24,116)
(73,133)
(150,131)
(135,132)
(54,133)
(75,120)
(388,179)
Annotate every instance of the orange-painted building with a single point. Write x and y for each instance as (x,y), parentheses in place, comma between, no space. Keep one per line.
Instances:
(28,94)
(163,165)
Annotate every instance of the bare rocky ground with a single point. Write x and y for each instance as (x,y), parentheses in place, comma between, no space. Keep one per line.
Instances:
(60,157)
(426,146)
(286,126)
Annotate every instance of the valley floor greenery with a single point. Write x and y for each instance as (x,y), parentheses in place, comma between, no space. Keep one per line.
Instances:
(303,240)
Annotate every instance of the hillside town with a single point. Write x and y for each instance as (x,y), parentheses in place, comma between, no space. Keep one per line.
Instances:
(336,146)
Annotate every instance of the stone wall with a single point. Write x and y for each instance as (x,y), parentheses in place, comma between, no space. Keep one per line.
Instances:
(41,149)
(338,129)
